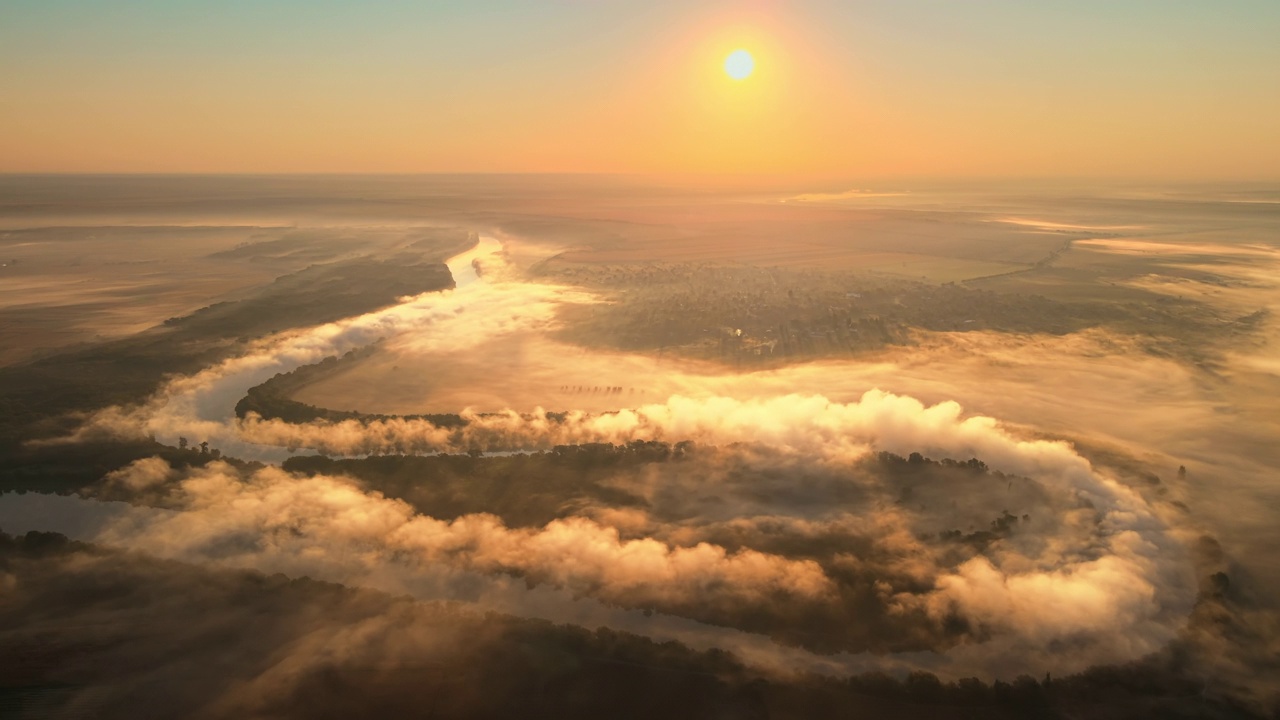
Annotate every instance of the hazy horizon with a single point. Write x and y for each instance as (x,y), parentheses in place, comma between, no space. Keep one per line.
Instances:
(1104,89)
(580,359)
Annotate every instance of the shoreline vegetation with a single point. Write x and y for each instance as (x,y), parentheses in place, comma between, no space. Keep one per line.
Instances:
(736,315)
(493,664)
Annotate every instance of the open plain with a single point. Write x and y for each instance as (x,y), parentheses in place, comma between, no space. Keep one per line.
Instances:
(833,434)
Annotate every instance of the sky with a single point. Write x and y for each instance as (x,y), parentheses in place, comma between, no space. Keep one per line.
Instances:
(1143,89)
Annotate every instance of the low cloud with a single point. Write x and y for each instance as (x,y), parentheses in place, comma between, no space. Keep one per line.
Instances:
(1100,575)
(309,524)
(1108,578)
(201,405)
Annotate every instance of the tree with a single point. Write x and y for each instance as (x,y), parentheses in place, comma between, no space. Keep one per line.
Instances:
(182,443)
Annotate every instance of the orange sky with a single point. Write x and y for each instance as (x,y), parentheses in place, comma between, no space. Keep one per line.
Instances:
(1126,89)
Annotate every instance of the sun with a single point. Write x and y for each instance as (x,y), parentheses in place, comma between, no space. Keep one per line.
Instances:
(739,64)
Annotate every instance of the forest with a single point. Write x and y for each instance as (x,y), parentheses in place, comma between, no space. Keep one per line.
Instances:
(132,629)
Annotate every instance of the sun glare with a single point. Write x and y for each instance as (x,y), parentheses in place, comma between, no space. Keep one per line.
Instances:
(739,64)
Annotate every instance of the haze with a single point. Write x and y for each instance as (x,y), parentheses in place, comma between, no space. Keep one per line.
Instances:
(539,360)
(1117,89)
